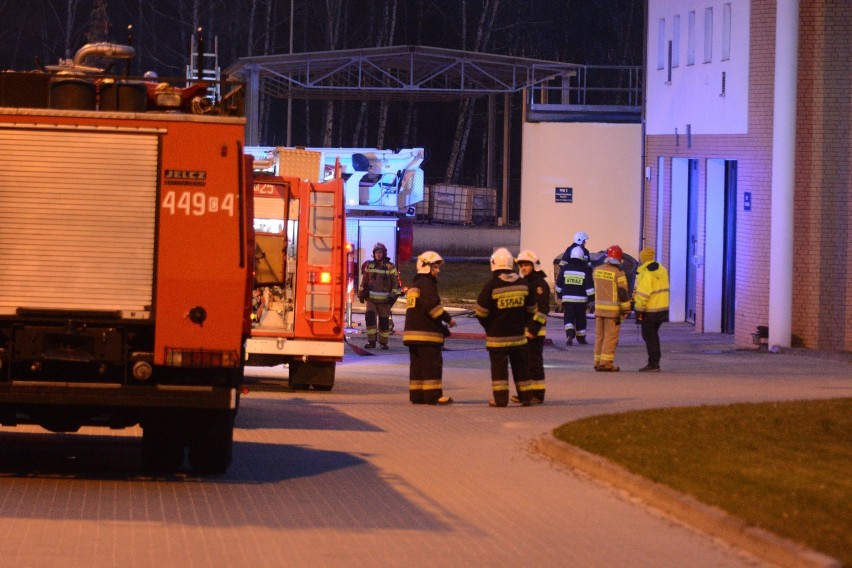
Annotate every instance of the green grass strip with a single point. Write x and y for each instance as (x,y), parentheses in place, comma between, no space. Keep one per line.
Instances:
(785,467)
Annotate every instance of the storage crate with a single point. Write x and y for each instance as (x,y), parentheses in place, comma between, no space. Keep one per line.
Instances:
(484,206)
(451,203)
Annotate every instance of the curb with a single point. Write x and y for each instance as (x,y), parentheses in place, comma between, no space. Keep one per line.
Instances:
(706,518)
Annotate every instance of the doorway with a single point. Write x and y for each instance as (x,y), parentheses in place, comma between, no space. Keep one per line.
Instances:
(683,239)
(720,258)
(729,268)
(691,240)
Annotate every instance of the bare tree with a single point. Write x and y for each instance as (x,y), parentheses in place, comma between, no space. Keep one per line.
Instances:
(465,121)
(70,13)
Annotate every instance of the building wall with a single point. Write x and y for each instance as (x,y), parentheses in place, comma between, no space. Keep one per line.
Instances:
(692,93)
(822,304)
(821,266)
(602,164)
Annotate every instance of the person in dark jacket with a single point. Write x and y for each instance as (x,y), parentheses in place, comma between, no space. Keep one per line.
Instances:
(380,289)
(576,290)
(503,308)
(651,304)
(580,238)
(531,272)
(426,325)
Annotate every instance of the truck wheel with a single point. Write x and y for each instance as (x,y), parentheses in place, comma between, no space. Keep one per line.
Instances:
(160,451)
(211,447)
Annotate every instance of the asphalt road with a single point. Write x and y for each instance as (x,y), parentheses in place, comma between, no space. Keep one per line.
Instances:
(359,477)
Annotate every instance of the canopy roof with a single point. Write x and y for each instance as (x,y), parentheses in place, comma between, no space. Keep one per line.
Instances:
(407,72)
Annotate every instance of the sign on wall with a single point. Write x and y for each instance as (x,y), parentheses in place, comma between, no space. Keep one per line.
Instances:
(564,195)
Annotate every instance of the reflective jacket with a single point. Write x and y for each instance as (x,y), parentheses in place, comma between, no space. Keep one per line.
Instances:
(379,282)
(503,307)
(537,324)
(574,283)
(651,295)
(611,296)
(424,313)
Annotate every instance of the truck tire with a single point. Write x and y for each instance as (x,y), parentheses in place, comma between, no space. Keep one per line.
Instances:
(161,451)
(211,446)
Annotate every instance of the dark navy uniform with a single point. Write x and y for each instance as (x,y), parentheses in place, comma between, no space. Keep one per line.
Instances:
(503,308)
(424,335)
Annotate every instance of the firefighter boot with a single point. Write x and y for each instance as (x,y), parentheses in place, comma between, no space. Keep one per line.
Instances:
(370,345)
(383,346)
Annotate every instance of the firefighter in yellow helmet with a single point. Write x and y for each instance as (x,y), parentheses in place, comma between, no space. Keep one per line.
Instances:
(380,289)
(503,308)
(426,325)
(531,272)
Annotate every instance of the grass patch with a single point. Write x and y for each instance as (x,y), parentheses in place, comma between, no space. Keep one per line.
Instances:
(785,467)
(459,283)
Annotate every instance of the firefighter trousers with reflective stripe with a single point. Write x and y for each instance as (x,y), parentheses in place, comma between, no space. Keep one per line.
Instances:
(500,362)
(535,367)
(424,374)
(606,340)
(574,317)
(382,311)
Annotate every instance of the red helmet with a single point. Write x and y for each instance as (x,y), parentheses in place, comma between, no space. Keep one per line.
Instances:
(615,252)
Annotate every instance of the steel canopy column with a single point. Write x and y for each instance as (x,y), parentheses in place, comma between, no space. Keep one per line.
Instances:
(783,172)
(251,76)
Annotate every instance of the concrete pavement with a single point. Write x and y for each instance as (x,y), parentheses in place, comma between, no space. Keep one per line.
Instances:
(360,477)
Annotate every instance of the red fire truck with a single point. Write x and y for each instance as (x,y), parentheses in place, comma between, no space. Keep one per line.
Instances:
(300,287)
(126,258)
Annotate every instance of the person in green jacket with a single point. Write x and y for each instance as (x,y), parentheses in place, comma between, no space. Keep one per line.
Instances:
(651,304)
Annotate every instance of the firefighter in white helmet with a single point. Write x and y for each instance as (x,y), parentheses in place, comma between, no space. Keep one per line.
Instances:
(576,290)
(380,289)
(580,238)
(530,268)
(426,325)
(503,308)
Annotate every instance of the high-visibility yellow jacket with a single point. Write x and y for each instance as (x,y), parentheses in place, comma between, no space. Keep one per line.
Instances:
(612,300)
(651,294)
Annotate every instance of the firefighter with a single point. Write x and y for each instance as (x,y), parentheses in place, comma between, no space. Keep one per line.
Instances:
(425,329)
(612,304)
(576,290)
(380,289)
(651,304)
(531,272)
(503,308)
(580,238)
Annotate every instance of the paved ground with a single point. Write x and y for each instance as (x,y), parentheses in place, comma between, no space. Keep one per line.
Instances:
(359,477)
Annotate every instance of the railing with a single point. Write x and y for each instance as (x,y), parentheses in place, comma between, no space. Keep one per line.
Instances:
(593,92)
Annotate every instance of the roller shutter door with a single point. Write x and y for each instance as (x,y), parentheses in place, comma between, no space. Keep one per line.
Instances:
(77,220)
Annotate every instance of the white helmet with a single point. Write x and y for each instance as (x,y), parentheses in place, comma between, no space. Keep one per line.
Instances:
(426,260)
(501,259)
(529,256)
(581,237)
(577,252)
